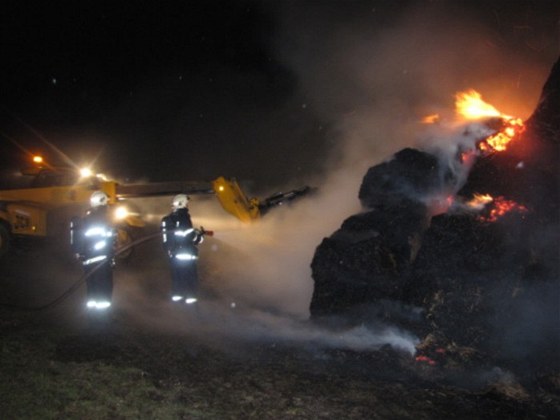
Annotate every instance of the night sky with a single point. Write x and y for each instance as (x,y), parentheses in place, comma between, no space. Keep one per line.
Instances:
(258,90)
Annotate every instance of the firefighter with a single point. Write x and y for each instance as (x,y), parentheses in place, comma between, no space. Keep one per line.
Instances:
(93,240)
(180,242)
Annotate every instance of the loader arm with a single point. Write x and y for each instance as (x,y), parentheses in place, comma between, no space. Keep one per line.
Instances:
(154,189)
(228,192)
(234,201)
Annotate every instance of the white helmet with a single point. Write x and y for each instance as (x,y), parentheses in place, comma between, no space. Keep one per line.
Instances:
(98,198)
(180,201)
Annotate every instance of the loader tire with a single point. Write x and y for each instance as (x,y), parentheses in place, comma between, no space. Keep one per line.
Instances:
(5,240)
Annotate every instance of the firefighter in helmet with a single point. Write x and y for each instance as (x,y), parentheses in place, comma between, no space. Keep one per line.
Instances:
(180,242)
(93,240)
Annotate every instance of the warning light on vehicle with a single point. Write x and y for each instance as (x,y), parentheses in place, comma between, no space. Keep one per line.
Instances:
(121,213)
(85,172)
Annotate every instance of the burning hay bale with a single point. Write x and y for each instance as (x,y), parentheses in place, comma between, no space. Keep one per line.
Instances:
(366,259)
(485,271)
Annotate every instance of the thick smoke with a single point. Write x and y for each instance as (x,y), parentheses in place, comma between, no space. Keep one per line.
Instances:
(372,77)
(373,72)
(375,69)
(370,71)
(256,281)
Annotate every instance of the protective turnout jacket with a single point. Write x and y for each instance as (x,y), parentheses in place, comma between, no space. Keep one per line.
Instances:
(93,238)
(179,236)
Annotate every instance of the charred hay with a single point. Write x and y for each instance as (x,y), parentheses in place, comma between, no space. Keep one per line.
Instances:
(487,285)
(408,175)
(364,260)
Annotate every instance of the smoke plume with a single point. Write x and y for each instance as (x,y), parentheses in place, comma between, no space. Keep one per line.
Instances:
(366,72)
(370,73)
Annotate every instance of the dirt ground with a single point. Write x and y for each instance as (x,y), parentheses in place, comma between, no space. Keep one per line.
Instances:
(150,359)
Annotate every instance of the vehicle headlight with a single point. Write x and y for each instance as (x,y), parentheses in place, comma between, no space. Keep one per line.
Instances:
(121,213)
(85,172)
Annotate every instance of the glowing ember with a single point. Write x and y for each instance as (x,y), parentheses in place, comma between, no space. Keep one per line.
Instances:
(500,207)
(430,119)
(440,205)
(467,157)
(500,140)
(471,106)
(425,359)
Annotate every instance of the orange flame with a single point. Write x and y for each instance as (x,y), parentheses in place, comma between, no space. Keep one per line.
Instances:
(471,106)
(500,140)
(501,206)
(430,119)
(479,201)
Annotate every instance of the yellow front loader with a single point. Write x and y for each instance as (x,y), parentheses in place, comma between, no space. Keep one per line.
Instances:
(45,208)
(41,211)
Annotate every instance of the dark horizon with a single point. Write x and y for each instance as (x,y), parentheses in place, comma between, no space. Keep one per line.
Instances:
(248,89)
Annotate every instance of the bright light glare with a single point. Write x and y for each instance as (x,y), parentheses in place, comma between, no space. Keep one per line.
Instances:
(38,159)
(121,213)
(102,305)
(85,172)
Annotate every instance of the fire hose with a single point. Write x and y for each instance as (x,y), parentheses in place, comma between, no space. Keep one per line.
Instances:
(76,285)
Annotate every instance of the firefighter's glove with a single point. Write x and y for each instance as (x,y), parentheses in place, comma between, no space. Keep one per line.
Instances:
(196,236)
